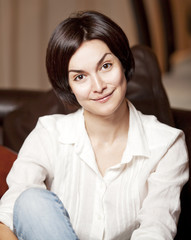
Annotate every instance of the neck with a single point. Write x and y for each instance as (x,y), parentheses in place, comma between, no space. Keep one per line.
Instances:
(107,129)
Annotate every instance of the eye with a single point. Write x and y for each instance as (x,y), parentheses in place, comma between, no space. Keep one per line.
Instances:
(79,77)
(106,66)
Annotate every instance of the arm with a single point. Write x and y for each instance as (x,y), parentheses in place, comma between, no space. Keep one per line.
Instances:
(160,209)
(30,169)
(6,233)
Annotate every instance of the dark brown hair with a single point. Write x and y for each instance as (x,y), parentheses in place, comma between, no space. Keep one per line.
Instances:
(68,37)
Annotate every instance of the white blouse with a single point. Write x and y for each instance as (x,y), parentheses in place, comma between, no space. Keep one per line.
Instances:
(136,199)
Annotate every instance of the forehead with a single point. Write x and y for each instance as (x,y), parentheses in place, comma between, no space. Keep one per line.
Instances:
(89,52)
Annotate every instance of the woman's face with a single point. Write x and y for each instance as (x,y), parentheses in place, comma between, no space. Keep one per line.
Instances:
(97,78)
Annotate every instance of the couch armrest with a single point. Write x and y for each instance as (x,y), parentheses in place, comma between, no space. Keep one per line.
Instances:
(7,158)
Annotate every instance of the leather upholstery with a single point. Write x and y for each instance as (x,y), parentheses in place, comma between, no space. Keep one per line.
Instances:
(20,110)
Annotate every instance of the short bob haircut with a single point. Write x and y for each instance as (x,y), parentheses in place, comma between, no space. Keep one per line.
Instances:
(68,37)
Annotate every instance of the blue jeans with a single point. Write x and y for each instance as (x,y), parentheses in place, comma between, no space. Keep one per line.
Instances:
(40,215)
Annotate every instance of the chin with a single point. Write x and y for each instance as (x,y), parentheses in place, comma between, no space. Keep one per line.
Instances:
(103,111)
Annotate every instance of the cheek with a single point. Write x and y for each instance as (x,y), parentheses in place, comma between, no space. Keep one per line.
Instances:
(81,92)
(118,78)
(121,83)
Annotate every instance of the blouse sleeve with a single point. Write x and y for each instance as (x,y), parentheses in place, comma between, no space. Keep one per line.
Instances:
(160,210)
(31,169)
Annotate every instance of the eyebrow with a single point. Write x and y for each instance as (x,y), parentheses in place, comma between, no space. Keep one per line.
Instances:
(99,62)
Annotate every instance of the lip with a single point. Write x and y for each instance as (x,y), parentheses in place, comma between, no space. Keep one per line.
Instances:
(103,99)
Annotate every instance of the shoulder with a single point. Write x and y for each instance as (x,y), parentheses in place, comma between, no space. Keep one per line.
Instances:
(59,121)
(158,133)
(54,129)
(58,125)
(152,128)
(155,133)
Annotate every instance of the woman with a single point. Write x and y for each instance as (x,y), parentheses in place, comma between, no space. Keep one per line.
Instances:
(106,171)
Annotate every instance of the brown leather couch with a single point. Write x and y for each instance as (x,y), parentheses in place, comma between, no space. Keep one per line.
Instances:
(20,109)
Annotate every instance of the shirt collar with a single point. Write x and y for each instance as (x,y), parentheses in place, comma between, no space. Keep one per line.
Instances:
(70,127)
(137,144)
(75,133)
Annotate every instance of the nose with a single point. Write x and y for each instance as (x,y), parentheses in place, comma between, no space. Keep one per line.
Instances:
(98,84)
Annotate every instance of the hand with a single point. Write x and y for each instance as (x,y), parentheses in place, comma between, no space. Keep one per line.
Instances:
(6,233)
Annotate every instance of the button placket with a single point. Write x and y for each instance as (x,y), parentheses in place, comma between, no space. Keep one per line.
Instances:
(100,203)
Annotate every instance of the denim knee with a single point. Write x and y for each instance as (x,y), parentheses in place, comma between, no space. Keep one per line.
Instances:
(27,208)
(28,200)
(28,204)
(39,214)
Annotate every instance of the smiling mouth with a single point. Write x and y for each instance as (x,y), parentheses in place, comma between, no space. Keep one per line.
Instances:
(104,98)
